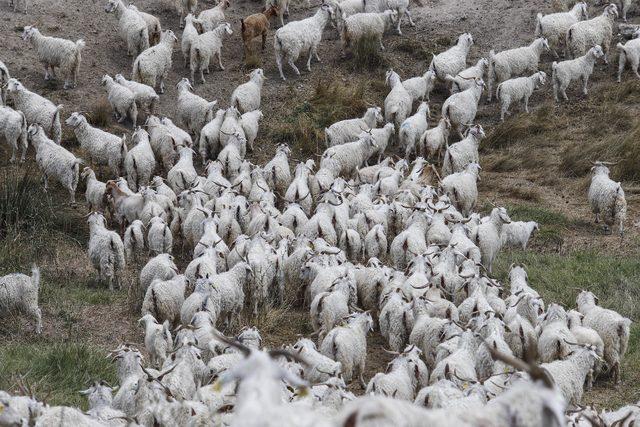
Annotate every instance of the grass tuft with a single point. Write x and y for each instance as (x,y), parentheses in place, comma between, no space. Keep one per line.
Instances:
(22,207)
(303,129)
(100,113)
(367,54)
(622,147)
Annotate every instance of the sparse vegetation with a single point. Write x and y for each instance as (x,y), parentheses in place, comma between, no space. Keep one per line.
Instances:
(620,147)
(22,206)
(545,155)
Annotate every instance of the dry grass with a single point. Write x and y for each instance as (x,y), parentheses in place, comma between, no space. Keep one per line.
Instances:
(367,54)
(100,113)
(303,128)
(252,61)
(570,135)
(528,193)
(414,48)
(622,147)
(520,127)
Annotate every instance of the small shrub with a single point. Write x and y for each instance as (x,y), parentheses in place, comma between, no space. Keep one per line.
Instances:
(100,113)
(501,163)
(531,194)
(367,53)
(627,92)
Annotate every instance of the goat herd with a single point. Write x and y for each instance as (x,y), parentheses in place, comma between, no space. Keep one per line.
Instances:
(394,246)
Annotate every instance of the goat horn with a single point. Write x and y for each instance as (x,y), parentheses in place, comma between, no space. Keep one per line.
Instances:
(244,349)
(287,355)
(535,371)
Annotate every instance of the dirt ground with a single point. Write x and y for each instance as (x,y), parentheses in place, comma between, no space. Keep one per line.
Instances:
(495,24)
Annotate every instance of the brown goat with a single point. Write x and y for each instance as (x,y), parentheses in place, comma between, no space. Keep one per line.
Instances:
(256,25)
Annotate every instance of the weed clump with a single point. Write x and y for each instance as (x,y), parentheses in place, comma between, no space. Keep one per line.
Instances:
(22,206)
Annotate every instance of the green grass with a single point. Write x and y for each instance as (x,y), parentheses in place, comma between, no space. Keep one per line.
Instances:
(538,214)
(552,224)
(61,369)
(614,279)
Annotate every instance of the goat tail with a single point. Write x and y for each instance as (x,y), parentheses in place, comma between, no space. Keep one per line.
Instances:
(492,63)
(135,172)
(54,119)
(432,65)
(277,45)
(620,209)
(334,347)
(123,148)
(80,44)
(622,331)
(23,135)
(445,112)
(143,38)
(197,56)
(136,75)
(77,56)
(35,276)
(539,24)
